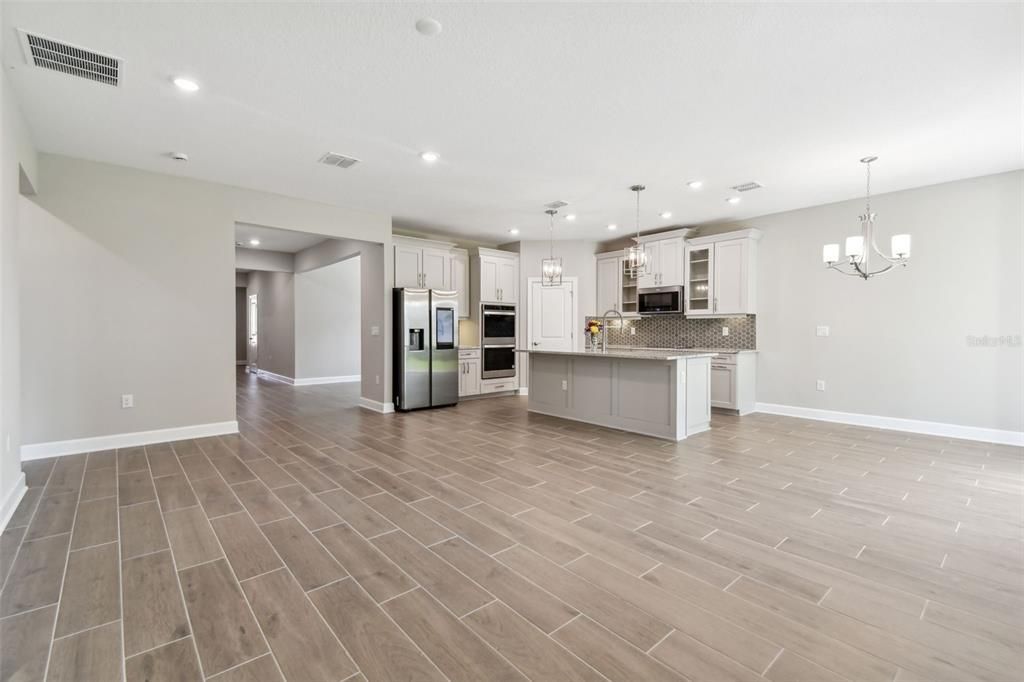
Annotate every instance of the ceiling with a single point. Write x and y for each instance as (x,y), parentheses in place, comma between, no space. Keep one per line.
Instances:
(528,103)
(273,239)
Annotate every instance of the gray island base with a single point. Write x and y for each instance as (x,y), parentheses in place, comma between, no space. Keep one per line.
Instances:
(660,393)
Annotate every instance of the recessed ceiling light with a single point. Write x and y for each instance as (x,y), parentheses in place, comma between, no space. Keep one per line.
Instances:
(571,217)
(430,157)
(666,214)
(254,242)
(733,200)
(186,84)
(695,184)
(513,230)
(428,27)
(613,226)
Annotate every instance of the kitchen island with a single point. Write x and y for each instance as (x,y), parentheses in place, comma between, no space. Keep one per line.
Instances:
(661,393)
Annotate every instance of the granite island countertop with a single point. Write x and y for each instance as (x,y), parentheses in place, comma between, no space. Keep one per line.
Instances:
(662,354)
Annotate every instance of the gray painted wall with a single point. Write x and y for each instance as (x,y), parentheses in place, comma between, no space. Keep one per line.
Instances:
(375,283)
(899,343)
(275,293)
(327,338)
(260,259)
(17,165)
(136,267)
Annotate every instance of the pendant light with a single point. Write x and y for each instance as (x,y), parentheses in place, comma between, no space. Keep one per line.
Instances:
(636,257)
(551,267)
(860,247)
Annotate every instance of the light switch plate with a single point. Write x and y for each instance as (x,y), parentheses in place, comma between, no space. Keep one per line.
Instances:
(565,385)
(632,331)
(127,400)
(821,384)
(725,331)
(822,330)
(375,331)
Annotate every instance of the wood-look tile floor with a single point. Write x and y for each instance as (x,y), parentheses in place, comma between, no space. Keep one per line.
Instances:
(483,543)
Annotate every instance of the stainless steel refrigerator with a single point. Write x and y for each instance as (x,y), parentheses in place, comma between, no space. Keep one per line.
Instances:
(426,348)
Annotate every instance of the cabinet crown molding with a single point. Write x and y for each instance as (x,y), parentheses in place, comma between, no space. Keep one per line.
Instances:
(749,233)
(683,232)
(420,241)
(494,253)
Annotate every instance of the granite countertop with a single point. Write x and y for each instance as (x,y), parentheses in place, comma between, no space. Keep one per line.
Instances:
(630,353)
(716,351)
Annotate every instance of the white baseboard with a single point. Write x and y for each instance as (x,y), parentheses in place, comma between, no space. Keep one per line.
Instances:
(897,424)
(241,362)
(11,501)
(524,390)
(124,440)
(376,405)
(313,381)
(275,377)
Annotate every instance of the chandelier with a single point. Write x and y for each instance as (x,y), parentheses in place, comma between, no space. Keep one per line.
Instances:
(551,267)
(636,257)
(859,248)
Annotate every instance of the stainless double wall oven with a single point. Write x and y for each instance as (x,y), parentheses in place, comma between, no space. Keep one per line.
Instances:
(498,340)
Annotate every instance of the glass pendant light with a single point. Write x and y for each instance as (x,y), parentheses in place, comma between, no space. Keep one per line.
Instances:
(636,257)
(551,267)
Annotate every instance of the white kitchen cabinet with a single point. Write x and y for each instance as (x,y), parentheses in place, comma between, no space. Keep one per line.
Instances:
(721,274)
(459,279)
(734,382)
(469,372)
(664,263)
(428,264)
(609,283)
(499,276)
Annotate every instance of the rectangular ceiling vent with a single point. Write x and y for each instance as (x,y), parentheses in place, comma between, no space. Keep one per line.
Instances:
(747,186)
(339,160)
(557,204)
(47,53)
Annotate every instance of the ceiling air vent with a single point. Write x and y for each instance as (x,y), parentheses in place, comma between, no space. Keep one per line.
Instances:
(747,186)
(47,53)
(557,204)
(339,160)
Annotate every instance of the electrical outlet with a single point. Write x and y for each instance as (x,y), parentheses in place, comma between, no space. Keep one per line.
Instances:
(565,385)
(821,384)
(822,330)
(127,400)
(375,331)
(632,331)
(725,331)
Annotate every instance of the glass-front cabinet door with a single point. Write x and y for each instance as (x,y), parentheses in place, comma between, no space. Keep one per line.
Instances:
(698,279)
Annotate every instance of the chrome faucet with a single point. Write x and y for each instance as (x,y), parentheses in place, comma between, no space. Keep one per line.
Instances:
(604,325)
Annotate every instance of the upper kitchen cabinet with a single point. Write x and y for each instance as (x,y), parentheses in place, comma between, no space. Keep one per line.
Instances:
(498,280)
(721,274)
(664,263)
(427,264)
(494,278)
(616,288)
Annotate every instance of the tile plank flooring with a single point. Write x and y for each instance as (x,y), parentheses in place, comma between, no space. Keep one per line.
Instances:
(326,542)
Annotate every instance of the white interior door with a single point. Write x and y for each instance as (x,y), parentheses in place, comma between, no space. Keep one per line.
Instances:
(552,316)
(253,319)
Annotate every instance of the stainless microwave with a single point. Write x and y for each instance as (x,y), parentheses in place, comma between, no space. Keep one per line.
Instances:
(660,300)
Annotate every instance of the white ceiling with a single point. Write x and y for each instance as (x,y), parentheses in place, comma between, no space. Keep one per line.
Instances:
(528,103)
(273,239)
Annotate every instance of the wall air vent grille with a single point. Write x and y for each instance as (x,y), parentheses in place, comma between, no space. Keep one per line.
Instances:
(47,53)
(747,186)
(339,160)
(557,204)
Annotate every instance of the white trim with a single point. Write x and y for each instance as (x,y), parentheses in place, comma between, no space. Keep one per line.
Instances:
(897,424)
(524,390)
(376,406)
(125,440)
(275,377)
(11,502)
(241,362)
(312,381)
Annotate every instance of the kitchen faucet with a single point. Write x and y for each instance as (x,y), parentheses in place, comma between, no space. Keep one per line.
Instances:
(604,325)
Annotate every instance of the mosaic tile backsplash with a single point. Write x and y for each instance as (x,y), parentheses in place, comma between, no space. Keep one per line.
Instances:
(677,331)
